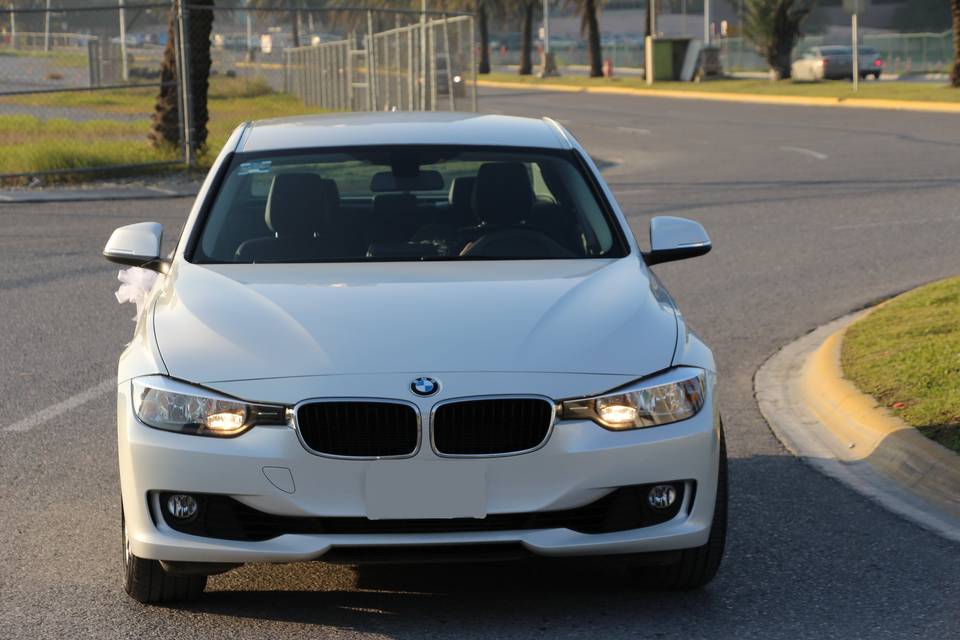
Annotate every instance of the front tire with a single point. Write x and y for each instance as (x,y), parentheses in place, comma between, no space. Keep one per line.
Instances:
(695,567)
(145,580)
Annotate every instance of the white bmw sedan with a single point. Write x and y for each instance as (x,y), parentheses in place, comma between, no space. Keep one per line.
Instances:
(393,336)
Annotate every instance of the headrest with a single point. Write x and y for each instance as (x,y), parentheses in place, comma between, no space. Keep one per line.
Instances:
(461,192)
(502,194)
(330,201)
(293,204)
(394,204)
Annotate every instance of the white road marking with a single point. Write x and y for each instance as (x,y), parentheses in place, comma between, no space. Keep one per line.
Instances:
(162,190)
(806,152)
(56,410)
(643,132)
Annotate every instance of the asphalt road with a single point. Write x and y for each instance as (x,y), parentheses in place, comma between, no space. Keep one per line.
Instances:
(813,213)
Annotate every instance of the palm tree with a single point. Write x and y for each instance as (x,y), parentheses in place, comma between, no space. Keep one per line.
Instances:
(774,28)
(955,73)
(483,32)
(166,116)
(590,27)
(528,7)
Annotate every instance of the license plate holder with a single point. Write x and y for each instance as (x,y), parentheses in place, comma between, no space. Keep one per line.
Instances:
(403,489)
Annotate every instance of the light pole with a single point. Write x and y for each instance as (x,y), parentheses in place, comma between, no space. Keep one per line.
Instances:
(706,23)
(649,70)
(856,51)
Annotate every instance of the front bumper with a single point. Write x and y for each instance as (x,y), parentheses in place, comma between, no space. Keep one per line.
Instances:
(579,464)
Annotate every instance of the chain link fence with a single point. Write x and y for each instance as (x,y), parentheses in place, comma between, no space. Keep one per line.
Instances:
(902,53)
(79,85)
(426,65)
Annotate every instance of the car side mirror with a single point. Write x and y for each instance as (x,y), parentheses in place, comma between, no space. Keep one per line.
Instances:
(137,245)
(676,239)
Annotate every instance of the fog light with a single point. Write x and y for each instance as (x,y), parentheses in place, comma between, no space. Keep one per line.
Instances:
(662,496)
(181,506)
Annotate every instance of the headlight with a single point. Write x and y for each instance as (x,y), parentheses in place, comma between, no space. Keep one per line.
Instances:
(670,397)
(171,405)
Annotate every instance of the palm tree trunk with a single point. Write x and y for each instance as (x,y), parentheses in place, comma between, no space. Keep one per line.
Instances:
(166,116)
(296,28)
(955,73)
(484,33)
(200,26)
(526,45)
(593,38)
(165,129)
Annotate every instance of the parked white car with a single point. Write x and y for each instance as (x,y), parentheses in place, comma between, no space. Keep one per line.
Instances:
(836,63)
(385,336)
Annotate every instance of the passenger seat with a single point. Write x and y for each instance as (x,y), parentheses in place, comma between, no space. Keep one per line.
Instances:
(296,211)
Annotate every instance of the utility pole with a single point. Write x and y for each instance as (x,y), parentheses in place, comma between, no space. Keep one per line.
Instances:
(124,71)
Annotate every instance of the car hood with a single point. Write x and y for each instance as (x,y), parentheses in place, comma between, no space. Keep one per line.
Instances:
(236,322)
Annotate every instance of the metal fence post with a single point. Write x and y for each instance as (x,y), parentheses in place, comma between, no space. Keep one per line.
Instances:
(372,100)
(432,40)
(423,56)
(473,64)
(446,52)
(411,73)
(186,94)
(124,71)
(46,28)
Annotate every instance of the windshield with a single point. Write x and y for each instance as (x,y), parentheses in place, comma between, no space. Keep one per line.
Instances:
(406,203)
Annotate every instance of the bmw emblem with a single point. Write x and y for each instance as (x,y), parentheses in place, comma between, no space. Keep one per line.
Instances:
(424,386)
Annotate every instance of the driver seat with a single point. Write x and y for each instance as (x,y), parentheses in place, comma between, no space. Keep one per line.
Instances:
(503,199)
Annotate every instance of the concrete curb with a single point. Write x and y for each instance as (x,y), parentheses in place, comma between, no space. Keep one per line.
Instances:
(854,103)
(828,423)
(93,195)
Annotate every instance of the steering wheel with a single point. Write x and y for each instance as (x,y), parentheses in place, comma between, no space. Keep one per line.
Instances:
(516,243)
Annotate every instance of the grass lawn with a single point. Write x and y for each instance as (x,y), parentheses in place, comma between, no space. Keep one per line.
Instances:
(918,91)
(74,58)
(30,143)
(906,354)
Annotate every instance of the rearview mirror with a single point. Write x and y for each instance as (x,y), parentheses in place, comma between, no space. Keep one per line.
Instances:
(425,180)
(676,239)
(137,245)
